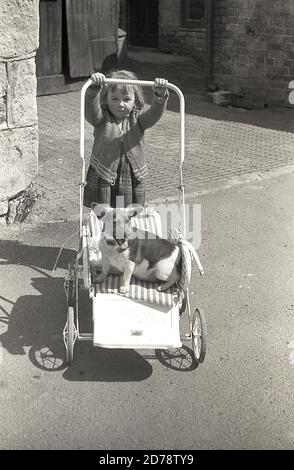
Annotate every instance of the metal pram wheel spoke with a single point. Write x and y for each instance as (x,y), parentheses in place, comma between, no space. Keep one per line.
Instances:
(198,332)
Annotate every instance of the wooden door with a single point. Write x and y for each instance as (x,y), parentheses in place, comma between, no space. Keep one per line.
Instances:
(92,27)
(143,23)
(49,54)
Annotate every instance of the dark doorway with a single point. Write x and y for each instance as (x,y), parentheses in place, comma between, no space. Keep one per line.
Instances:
(143,23)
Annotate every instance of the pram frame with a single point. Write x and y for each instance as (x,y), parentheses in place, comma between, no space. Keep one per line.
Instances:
(71,332)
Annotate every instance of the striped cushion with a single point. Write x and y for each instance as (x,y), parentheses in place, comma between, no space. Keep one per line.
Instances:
(139,290)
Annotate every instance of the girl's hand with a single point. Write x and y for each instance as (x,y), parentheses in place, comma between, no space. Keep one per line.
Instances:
(98,78)
(160,86)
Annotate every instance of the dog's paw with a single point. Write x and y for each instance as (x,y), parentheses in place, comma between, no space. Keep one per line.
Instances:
(123,289)
(163,287)
(100,278)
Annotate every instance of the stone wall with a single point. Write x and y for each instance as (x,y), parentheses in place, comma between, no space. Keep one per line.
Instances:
(173,37)
(19,38)
(253,49)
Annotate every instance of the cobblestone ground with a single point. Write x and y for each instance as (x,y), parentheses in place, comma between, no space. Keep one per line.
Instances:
(218,146)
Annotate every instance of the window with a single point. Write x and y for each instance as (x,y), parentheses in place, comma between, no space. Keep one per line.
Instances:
(192,12)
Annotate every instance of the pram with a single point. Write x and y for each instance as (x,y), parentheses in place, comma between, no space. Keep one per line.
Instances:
(144,318)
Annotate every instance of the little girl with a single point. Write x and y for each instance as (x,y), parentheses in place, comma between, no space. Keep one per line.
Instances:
(120,118)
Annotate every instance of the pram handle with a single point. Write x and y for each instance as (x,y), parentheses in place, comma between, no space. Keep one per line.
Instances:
(147,83)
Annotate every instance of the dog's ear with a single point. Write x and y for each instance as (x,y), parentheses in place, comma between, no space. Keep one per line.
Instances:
(101,209)
(133,209)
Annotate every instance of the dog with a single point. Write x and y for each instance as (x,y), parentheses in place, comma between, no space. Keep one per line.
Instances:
(135,252)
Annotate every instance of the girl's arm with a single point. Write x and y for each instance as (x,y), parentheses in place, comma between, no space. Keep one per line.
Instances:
(151,115)
(93,111)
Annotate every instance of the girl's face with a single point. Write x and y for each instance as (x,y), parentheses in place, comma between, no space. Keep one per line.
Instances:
(120,102)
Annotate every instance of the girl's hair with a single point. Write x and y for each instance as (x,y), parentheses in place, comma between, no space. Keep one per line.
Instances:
(137,89)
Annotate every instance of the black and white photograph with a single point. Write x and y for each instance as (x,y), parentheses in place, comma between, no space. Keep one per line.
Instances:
(147,229)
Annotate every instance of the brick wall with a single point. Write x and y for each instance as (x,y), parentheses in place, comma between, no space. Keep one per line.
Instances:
(253,49)
(173,37)
(19,37)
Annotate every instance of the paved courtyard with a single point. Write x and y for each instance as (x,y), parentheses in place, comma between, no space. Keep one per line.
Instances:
(222,144)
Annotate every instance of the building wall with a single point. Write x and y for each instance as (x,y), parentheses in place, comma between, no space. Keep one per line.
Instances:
(253,49)
(19,37)
(173,37)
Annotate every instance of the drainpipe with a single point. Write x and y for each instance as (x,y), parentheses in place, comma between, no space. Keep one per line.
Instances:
(208,40)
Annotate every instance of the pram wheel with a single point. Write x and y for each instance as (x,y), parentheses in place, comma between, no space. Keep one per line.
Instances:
(199,335)
(70,332)
(47,357)
(69,335)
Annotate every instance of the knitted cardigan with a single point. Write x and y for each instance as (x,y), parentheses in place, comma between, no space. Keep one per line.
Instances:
(109,136)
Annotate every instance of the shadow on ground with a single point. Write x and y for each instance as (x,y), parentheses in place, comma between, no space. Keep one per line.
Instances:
(14,252)
(37,321)
(34,320)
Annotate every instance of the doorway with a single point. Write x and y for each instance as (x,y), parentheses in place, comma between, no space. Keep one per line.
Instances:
(77,38)
(142,23)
